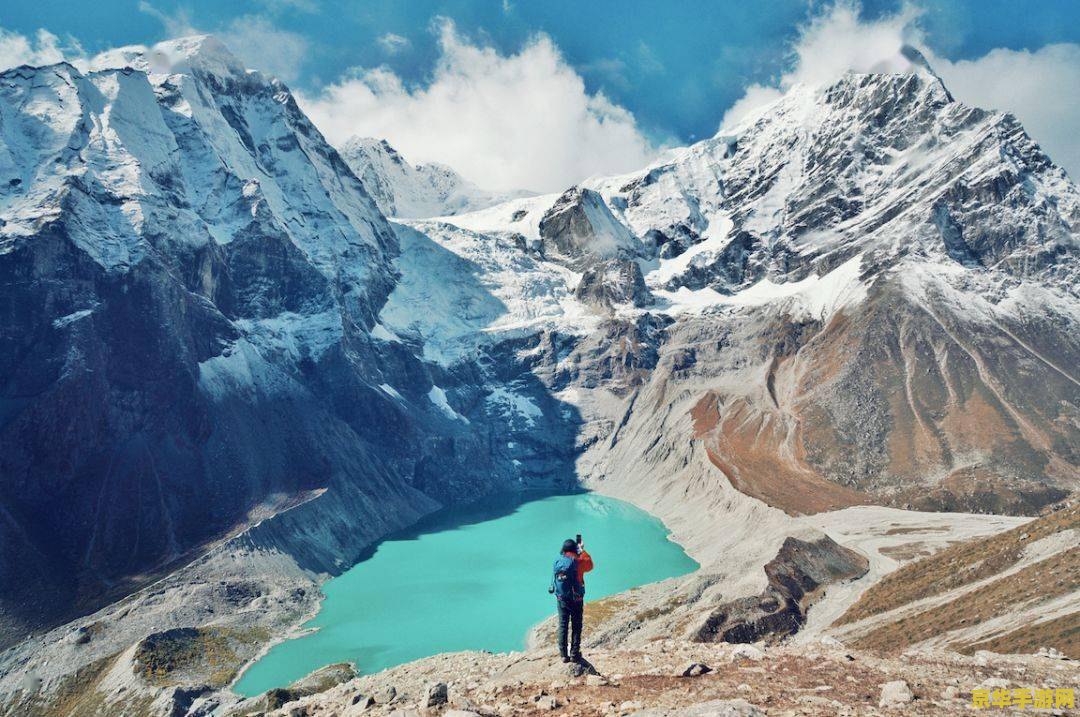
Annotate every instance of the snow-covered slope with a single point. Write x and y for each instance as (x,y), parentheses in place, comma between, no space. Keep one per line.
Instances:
(179,134)
(414,191)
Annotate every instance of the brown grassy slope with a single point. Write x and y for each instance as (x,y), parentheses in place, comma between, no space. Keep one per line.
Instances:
(1064,631)
(1037,583)
(957,566)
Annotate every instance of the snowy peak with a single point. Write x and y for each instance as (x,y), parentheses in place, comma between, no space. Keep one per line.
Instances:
(883,166)
(885,163)
(187,55)
(412,191)
(136,162)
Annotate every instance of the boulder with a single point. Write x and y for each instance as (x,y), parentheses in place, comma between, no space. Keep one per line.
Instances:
(1051,652)
(547,702)
(895,694)
(580,231)
(362,701)
(695,669)
(385,695)
(437,694)
(747,652)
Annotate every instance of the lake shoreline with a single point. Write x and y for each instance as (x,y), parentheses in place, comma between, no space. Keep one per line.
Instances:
(459,527)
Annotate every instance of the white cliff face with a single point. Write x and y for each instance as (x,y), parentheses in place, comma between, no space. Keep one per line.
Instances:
(414,191)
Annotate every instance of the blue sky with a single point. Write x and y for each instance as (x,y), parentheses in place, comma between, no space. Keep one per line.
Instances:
(676,67)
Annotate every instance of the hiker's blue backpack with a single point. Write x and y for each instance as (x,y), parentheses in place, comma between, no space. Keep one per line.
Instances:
(564,579)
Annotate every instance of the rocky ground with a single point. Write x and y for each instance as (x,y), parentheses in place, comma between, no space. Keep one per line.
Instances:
(643,635)
(677,677)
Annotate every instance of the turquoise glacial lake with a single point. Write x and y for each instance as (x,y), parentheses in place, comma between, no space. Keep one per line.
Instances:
(469,578)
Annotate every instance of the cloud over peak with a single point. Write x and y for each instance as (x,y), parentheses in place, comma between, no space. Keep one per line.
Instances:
(44,48)
(1031,85)
(523,120)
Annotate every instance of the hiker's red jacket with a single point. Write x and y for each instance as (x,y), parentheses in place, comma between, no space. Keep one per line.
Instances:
(584,564)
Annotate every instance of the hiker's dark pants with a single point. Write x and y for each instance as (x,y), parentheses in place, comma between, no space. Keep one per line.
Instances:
(570,613)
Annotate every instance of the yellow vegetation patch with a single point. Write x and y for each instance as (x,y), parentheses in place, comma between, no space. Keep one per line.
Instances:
(956,566)
(1062,632)
(1056,576)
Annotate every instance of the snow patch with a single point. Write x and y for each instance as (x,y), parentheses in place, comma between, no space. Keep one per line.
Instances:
(815,297)
(517,216)
(391,391)
(71,318)
(296,336)
(700,254)
(506,402)
(438,397)
(380,332)
(241,371)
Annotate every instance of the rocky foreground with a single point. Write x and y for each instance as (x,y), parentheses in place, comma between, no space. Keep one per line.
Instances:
(677,677)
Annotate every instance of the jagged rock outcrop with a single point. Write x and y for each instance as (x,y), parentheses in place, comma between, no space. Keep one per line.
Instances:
(580,231)
(617,281)
(797,575)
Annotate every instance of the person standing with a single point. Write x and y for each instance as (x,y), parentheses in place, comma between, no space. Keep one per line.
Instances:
(568,586)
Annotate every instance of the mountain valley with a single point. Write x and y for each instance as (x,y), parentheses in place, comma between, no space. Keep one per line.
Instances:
(827,347)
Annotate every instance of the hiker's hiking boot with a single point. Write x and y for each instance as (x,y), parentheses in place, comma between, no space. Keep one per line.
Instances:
(565,658)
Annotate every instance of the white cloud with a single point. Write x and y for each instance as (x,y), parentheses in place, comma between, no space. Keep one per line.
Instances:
(44,48)
(518,121)
(253,39)
(832,43)
(392,43)
(1038,87)
(176,25)
(1035,86)
(264,47)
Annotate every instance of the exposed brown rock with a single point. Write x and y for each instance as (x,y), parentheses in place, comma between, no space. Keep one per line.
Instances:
(796,575)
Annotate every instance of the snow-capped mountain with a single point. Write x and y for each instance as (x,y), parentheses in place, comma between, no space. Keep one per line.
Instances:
(865,291)
(190,278)
(214,343)
(414,191)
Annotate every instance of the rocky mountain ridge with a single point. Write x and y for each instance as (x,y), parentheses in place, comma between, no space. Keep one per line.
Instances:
(882,273)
